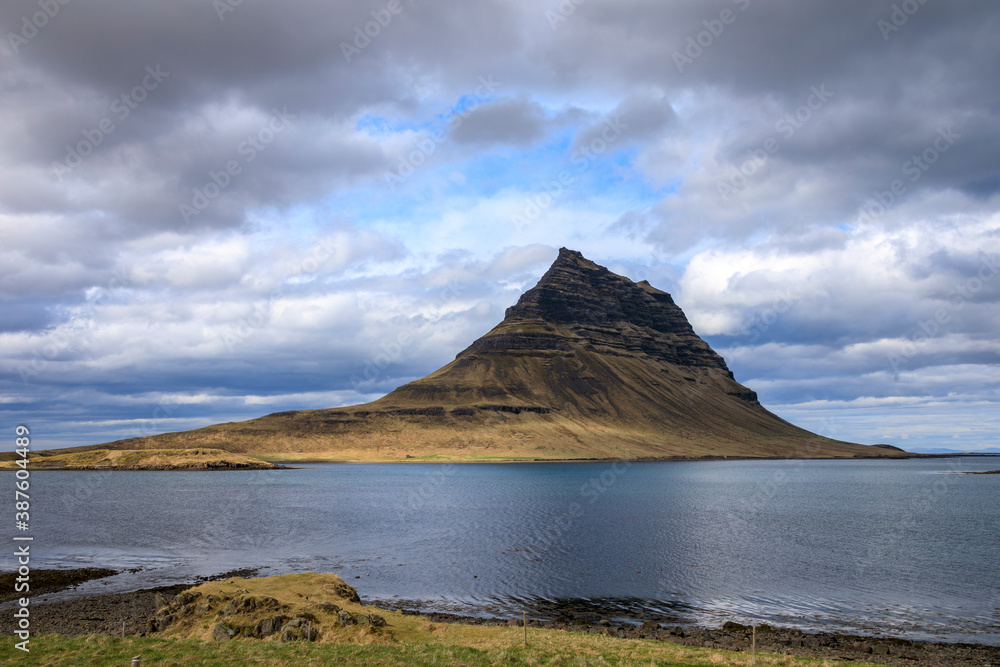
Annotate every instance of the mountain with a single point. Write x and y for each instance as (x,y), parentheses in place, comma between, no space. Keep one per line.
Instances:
(587,364)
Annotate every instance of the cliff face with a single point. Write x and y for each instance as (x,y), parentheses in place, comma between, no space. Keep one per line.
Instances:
(599,309)
(587,364)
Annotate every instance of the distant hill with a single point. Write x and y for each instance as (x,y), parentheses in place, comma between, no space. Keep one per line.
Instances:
(586,365)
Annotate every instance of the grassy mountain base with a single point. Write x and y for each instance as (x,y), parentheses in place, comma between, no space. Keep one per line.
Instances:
(399,433)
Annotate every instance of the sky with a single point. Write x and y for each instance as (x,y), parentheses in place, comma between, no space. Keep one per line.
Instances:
(213,210)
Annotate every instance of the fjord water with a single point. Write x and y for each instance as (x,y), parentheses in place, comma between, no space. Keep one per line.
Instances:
(906,548)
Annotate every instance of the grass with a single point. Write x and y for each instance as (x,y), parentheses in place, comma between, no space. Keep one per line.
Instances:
(406,640)
(132,459)
(546,648)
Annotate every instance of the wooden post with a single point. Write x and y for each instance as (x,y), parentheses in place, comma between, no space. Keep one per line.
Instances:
(754,646)
(524,621)
(137,661)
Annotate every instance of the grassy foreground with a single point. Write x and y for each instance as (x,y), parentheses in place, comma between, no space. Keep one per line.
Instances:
(547,647)
(405,640)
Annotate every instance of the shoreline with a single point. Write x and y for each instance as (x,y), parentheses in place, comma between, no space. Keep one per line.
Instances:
(668,459)
(107,614)
(276,462)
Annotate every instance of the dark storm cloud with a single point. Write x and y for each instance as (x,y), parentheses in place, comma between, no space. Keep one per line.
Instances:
(639,118)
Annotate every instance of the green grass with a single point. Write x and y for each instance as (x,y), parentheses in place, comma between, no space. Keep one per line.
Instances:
(502,458)
(100,651)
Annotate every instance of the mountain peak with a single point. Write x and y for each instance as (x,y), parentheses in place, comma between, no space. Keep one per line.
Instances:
(606,309)
(567,256)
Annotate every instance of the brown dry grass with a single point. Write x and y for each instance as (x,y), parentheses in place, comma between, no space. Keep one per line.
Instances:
(135,459)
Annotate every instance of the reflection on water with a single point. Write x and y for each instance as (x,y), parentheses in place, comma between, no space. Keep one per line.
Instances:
(851,546)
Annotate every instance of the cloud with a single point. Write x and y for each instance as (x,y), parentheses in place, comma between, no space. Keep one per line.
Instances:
(814,188)
(503,121)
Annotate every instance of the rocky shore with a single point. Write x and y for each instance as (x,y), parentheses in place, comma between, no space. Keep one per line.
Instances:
(50,581)
(95,614)
(106,614)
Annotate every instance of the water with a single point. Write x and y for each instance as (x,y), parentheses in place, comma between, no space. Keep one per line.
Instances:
(906,548)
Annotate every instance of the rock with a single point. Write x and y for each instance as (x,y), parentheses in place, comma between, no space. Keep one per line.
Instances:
(373,620)
(650,625)
(328,607)
(880,649)
(298,629)
(345,617)
(347,592)
(247,604)
(161,621)
(186,598)
(160,601)
(604,621)
(269,626)
(223,632)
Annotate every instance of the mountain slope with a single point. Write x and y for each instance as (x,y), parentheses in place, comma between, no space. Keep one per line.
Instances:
(587,364)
